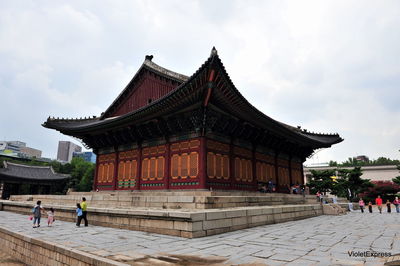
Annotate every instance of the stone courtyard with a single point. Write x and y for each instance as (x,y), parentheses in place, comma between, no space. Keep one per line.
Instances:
(322,240)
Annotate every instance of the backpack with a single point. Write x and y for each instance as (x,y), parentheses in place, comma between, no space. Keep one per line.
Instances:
(36,211)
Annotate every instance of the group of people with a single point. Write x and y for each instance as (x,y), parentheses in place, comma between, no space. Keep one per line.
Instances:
(268,188)
(379,203)
(298,189)
(81,212)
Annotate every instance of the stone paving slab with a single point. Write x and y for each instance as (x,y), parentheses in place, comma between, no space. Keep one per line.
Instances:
(322,240)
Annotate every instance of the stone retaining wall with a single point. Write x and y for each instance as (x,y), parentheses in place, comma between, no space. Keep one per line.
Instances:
(38,252)
(171,200)
(188,224)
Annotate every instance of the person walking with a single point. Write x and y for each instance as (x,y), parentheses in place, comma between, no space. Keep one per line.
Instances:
(378,202)
(362,205)
(84,210)
(396,204)
(50,217)
(78,214)
(370,207)
(37,213)
(388,207)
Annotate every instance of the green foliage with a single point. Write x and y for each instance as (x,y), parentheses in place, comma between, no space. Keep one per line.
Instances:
(347,180)
(350,184)
(81,174)
(353,162)
(396,180)
(321,181)
(333,163)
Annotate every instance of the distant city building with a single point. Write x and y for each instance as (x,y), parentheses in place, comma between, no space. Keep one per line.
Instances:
(18,149)
(373,172)
(66,150)
(31,152)
(88,156)
(361,158)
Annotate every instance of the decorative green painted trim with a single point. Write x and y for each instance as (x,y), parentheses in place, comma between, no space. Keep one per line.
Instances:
(104,186)
(128,147)
(152,185)
(153,142)
(219,138)
(189,136)
(126,184)
(243,185)
(185,184)
(218,184)
(106,150)
(242,144)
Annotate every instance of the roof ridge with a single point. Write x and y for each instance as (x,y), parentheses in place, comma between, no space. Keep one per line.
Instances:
(149,63)
(52,118)
(30,166)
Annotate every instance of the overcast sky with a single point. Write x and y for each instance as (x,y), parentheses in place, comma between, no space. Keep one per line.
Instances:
(328,66)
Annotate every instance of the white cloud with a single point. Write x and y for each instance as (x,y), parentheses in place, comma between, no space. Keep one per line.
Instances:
(329,66)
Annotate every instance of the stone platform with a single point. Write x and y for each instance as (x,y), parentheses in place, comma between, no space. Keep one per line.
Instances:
(322,240)
(188,214)
(171,199)
(184,223)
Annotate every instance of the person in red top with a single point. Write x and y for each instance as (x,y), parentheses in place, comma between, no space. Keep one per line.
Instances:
(378,202)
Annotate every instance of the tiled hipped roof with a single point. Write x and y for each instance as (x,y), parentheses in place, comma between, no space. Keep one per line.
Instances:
(189,92)
(40,173)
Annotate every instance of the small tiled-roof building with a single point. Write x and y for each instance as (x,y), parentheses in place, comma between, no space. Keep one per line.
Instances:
(26,179)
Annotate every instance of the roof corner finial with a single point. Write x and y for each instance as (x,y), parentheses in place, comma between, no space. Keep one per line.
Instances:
(214,51)
(149,57)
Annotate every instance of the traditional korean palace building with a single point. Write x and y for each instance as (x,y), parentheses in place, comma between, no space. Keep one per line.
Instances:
(167,131)
(16,179)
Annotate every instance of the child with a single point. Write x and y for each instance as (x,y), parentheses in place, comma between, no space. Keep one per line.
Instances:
(389,209)
(79,213)
(370,207)
(362,205)
(37,213)
(50,217)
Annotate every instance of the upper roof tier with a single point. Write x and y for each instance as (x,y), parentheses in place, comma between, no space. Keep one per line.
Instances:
(155,92)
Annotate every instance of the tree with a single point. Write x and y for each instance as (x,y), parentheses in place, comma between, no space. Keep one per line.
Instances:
(321,181)
(396,180)
(333,163)
(81,174)
(350,184)
(386,189)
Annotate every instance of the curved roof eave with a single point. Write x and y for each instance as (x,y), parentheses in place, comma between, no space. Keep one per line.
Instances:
(75,126)
(240,103)
(324,140)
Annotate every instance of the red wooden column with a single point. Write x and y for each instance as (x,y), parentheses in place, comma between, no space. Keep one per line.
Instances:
(232,165)
(167,171)
(253,165)
(276,172)
(139,166)
(203,163)
(290,172)
(302,173)
(116,165)
(96,170)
